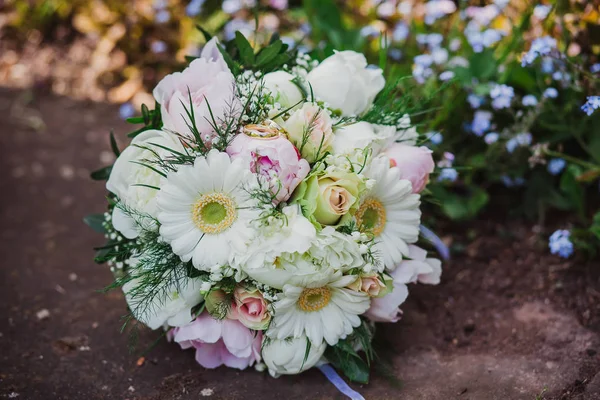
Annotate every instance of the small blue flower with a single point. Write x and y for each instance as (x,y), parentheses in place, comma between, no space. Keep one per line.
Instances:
(395,54)
(162,17)
(522,139)
(541,11)
(126,110)
(482,121)
(560,243)
(529,101)
(547,65)
(400,32)
(448,174)
(194,8)
(592,104)
(474,100)
(556,165)
(539,47)
(595,68)
(491,138)
(507,181)
(435,137)
(158,47)
(502,96)
(446,76)
(550,93)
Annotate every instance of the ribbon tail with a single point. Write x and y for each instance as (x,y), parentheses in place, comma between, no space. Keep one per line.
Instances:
(339,383)
(435,241)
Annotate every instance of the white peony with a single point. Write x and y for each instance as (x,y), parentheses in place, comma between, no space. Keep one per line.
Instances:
(362,135)
(284,91)
(172,306)
(345,83)
(132,182)
(336,250)
(210,86)
(292,234)
(287,357)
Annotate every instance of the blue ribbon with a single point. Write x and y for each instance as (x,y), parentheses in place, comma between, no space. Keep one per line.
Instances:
(339,383)
(436,242)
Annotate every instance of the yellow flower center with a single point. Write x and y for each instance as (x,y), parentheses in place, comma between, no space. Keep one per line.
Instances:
(214,212)
(314,299)
(371,217)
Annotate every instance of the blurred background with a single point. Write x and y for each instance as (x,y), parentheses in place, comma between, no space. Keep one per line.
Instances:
(508,98)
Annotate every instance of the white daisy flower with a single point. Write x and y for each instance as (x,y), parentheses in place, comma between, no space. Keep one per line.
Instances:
(323,309)
(389,211)
(206,210)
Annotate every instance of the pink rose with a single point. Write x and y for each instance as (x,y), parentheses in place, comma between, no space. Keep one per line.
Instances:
(217,342)
(274,158)
(414,163)
(250,308)
(418,268)
(208,81)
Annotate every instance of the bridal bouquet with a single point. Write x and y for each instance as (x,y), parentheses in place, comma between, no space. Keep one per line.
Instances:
(266,213)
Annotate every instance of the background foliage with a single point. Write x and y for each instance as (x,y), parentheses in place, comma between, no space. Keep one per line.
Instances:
(510,139)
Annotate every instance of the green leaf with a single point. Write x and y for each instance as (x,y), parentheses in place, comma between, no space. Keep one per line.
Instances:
(245,49)
(101,174)
(205,33)
(572,188)
(269,53)
(350,364)
(189,59)
(228,60)
(145,114)
(483,65)
(135,120)
(595,228)
(113,144)
(460,207)
(95,221)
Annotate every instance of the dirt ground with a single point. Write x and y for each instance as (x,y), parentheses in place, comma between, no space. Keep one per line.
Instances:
(509,321)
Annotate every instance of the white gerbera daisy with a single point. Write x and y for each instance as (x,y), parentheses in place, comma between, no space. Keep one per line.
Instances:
(324,309)
(206,210)
(389,211)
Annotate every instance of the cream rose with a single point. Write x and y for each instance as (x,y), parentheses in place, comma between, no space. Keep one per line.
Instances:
(310,129)
(330,198)
(345,83)
(134,183)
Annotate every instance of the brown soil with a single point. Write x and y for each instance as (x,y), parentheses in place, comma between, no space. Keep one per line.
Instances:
(509,320)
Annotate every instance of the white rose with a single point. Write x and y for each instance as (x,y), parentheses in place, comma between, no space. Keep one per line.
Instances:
(345,83)
(127,175)
(284,91)
(287,357)
(362,135)
(173,309)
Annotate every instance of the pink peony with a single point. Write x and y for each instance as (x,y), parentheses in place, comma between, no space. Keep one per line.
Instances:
(208,81)
(418,268)
(275,158)
(250,308)
(217,342)
(414,163)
